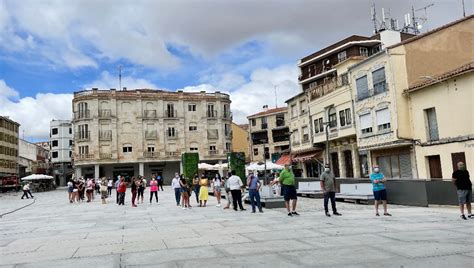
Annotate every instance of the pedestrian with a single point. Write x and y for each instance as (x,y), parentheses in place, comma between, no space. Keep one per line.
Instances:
(160,182)
(380,193)
(134,190)
(97,186)
(276,184)
(203,191)
(463,184)
(153,189)
(196,187)
(184,192)
(26,191)
(109,187)
(254,191)
(228,194)
(236,188)
(104,190)
(117,183)
(70,188)
(75,190)
(89,190)
(81,189)
(177,188)
(122,188)
(217,184)
(328,185)
(141,189)
(288,190)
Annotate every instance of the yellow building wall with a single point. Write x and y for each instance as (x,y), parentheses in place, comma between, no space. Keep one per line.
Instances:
(240,140)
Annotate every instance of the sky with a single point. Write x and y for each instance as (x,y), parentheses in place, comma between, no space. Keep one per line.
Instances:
(51,48)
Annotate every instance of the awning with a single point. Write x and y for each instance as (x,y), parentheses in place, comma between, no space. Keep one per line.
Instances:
(303,157)
(283,160)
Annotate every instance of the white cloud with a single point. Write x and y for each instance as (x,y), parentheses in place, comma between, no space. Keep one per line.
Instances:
(34,113)
(108,81)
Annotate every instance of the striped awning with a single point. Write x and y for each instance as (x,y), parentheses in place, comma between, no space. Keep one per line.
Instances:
(283,160)
(308,156)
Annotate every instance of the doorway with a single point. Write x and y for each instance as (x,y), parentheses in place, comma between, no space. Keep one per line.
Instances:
(348,163)
(335,164)
(456,158)
(434,163)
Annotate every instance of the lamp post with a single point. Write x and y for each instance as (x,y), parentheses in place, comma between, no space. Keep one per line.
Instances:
(264,160)
(326,126)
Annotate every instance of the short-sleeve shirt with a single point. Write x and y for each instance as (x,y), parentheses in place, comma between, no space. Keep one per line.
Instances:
(329,181)
(287,178)
(253,182)
(463,181)
(377,186)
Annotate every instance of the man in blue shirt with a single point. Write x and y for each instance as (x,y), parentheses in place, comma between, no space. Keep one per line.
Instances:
(380,194)
(254,187)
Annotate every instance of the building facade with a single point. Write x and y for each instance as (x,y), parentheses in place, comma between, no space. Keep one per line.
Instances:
(61,143)
(269,134)
(143,131)
(240,140)
(8,146)
(33,159)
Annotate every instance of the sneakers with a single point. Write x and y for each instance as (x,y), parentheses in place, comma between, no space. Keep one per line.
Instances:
(243,209)
(387,214)
(260,210)
(463,217)
(327,214)
(290,214)
(337,214)
(295,213)
(471,216)
(218,205)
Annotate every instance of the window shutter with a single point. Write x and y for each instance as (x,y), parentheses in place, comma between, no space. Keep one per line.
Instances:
(365,121)
(378,76)
(362,87)
(405,166)
(383,116)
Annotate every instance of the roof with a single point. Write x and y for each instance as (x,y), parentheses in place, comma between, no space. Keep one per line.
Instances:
(296,96)
(335,45)
(409,40)
(269,111)
(442,77)
(7,118)
(244,126)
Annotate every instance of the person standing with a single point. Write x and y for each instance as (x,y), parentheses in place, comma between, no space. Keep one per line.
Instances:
(177,188)
(104,190)
(89,189)
(288,190)
(196,187)
(70,188)
(26,191)
(153,189)
(461,179)
(184,192)
(380,193)
(217,184)
(328,185)
(254,191)
(203,191)
(80,189)
(276,184)
(109,187)
(134,188)
(228,194)
(236,188)
(141,188)
(122,188)
(117,183)
(160,182)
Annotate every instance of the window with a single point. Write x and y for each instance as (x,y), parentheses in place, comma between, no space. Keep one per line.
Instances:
(294,112)
(55,143)
(212,148)
(127,148)
(431,124)
(70,130)
(303,107)
(171,132)
(192,128)
(70,142)
(313,85)
(254,122)
(332,117)
(228,146)
(192,107)
(210,111)
(264,123)
(193,149)
(54,131)
(83,150)
(321,125)
(280,120)
(362,88)
(383,119)
(342,118)
(83,131)
(170,112)
(255,151)
(348,116)
(54,155)
(296,137)
(305,134)
(378,78)
(151,149)
(364,51)
(341,56)
(70,153)
(316,125)
(365,123)
(344,79)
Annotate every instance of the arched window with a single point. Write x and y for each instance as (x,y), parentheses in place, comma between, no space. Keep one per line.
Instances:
(332,116)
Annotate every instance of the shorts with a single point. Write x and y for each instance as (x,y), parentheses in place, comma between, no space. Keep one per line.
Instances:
(288,192)
(89,191)
(380,195)
(464,197)
(217,189)
(75,190)
(69,189)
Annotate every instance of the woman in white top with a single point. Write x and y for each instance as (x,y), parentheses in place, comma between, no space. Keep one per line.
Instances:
(217,184)
(276,184)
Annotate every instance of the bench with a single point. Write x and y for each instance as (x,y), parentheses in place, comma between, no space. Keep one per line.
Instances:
(310,189)
(357,193)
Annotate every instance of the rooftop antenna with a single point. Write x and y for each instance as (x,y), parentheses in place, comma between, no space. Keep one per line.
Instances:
(423,19)
(120,77)
(374,17)
(276,99)
(463,9)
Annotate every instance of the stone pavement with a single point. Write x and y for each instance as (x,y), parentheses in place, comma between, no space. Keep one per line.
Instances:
(54,233)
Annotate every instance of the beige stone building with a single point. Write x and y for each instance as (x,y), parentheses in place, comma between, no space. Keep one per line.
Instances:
(9,143)
(143,131)
(269,134)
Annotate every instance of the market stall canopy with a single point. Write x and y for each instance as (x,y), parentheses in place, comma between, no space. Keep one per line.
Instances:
(260,167)
(206,166)
(308,156)
(283,160)
(36,177)
(221,166)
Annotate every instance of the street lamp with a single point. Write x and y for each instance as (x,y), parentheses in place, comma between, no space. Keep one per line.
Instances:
(326,126)
(264,141)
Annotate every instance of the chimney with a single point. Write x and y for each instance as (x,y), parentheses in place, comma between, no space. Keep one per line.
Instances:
(265,107)
(124,88)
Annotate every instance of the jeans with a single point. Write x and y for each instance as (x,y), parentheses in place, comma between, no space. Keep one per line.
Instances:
(237,198)
(196,191)
(25,193)
(109,190)
(255,198)
(121,198)
(177,195)
(332,196)
(156,196)
(118,197)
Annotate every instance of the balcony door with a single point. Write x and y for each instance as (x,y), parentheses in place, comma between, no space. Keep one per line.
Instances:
(434,163)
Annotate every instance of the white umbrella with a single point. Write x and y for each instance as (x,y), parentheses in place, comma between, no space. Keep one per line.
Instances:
(254,166)
(33,177)
(271,165)
(205,166)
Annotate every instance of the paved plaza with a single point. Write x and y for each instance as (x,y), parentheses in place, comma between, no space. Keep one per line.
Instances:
(53,233)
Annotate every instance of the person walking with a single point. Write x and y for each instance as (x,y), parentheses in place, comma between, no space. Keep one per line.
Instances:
(26,191)
(160,182)
(217,184)
(134,189)
(89,190)
(380,193)
(153,189)
(104,190)
(117,183)
(203,191)
(461,179)
(70,188)
(236,188)
(228,194)
(184,192)
(81,189)
(288,190)
(141,188)
(122,188)
(75,190)
(196,187)
(177,188)
(109,187)
(254,191)
(328,185)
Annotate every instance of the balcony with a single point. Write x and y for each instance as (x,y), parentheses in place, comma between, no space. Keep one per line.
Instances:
(105,135)
(327,87)
(228,134)
(171,114)
(151,154)
(213,152)
(82,136)
(227,115)
(212,134)
(280,123)
(105,156)
(281,135)
(105,113)
(149,114)
(83,157)
(82,114)
(211,114)
(171,135)
(173,154)
(151,135)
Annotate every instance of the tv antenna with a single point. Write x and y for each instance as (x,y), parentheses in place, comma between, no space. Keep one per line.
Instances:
(120,77)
